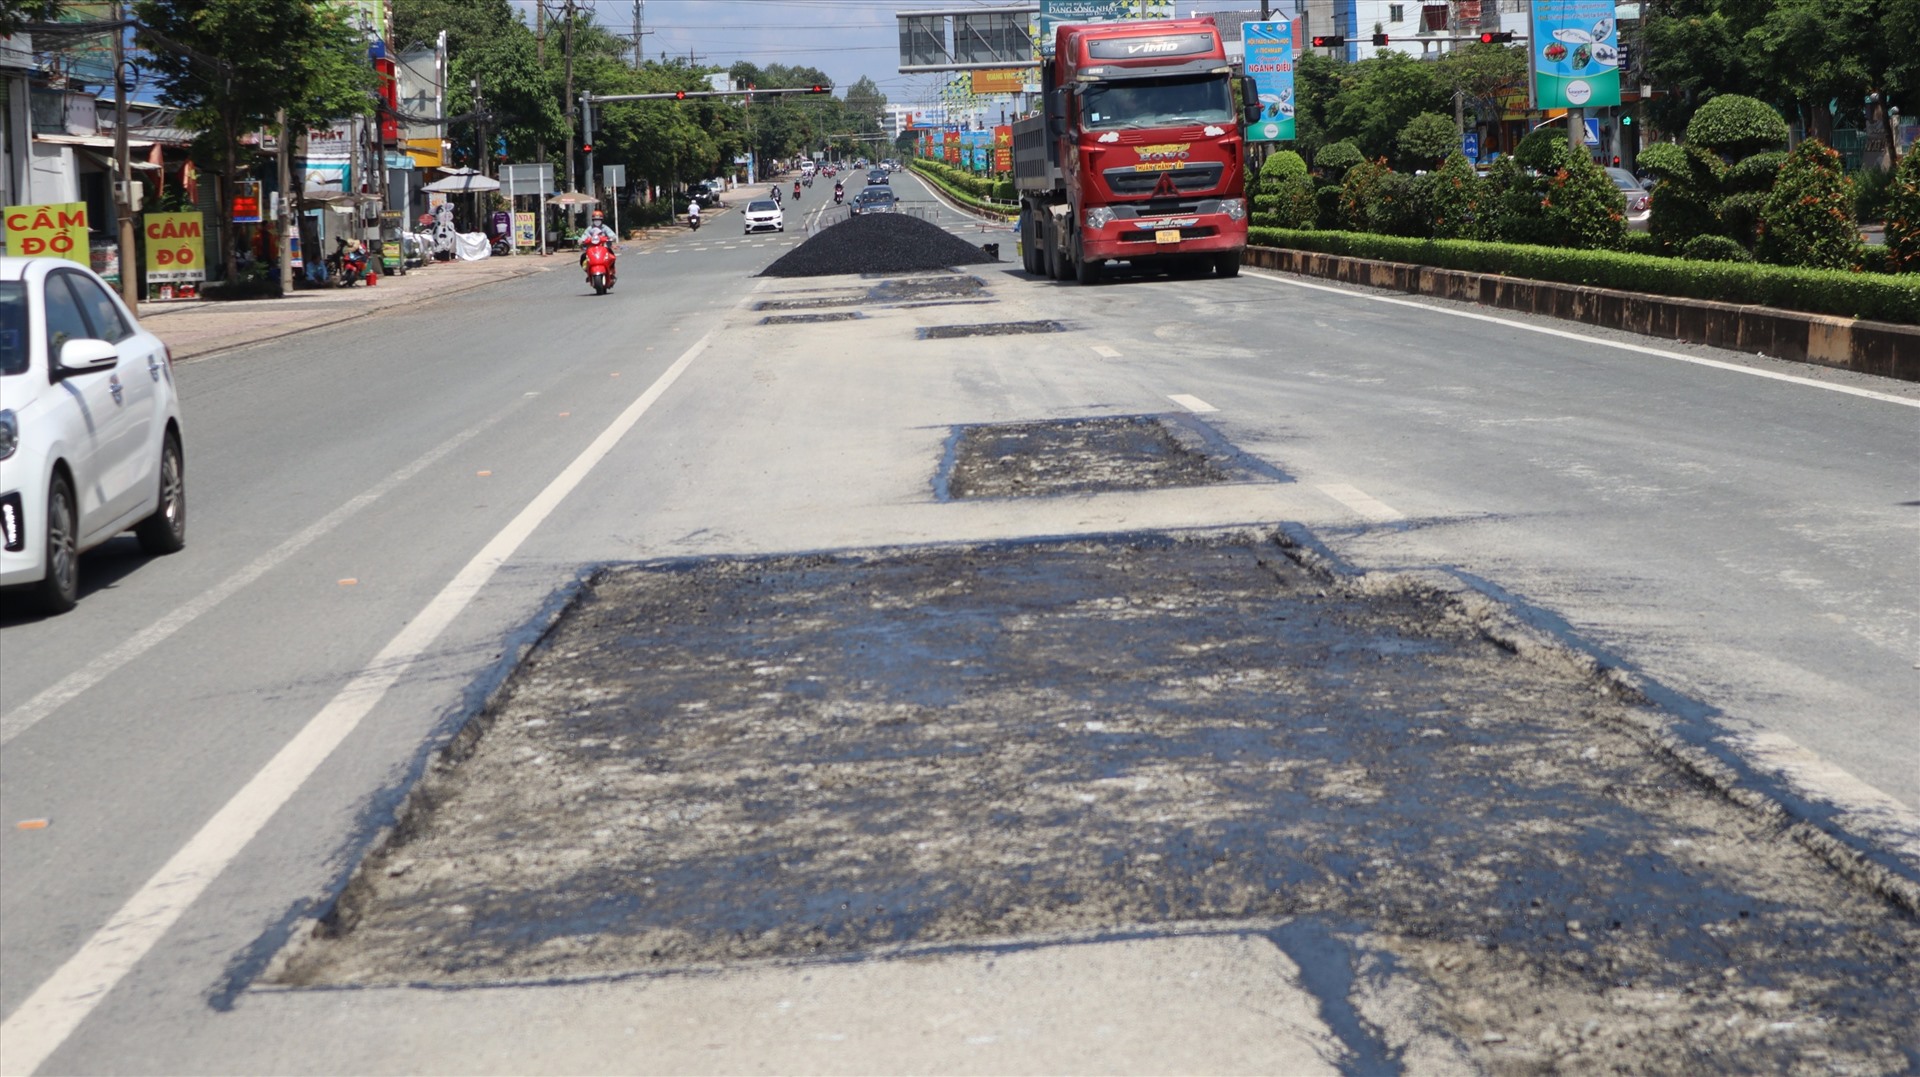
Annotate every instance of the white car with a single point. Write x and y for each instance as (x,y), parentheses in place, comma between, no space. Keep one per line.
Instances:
(90,440)
(763,215)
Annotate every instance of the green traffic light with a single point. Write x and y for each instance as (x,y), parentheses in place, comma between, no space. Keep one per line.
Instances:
(1626,121)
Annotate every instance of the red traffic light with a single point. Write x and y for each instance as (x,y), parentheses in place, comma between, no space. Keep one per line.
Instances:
(586,147)
(679,95)
(1496,37)
(1328,41)
(818,89)
(1380,39)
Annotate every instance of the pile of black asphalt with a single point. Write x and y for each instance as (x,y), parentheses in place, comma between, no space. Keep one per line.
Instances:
(877,243)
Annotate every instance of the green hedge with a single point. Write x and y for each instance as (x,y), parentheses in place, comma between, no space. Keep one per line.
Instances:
(987,193)
(1821,291)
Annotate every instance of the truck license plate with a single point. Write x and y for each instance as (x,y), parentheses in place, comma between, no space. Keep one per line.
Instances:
(1166,235)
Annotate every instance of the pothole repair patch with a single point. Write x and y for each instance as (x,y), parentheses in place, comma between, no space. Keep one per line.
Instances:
(804,319)
(989,329)
(804,757)
(1070,456)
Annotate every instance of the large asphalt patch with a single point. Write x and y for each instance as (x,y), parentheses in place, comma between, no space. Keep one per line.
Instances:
(832,756)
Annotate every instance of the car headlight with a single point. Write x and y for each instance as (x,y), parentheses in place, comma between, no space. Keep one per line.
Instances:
(1234,208)
(1100,217)
(9,432)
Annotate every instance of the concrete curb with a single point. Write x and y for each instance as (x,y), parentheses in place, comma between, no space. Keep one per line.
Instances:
(1868,347)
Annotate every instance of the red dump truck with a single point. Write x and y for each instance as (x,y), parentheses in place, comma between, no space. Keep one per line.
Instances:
(1136,153)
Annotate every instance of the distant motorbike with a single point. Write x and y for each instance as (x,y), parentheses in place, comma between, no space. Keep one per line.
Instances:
(600,263)
(839,196)
(347,265)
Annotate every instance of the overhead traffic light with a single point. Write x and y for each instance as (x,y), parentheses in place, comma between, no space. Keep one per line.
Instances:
(818,89)
(679,95)
(1380,39)
(1496,37)
(1328,41)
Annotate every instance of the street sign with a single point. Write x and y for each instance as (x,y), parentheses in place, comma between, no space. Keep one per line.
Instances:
(1593,132)
(526,179)
(1470,145)
(613,177)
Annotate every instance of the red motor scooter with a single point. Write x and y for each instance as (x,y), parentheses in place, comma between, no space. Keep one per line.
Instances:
(599,265)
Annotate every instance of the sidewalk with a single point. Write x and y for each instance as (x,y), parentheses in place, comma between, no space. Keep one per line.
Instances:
(197,328)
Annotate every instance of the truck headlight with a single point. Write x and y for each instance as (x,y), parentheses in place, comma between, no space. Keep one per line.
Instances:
(9,432)
(1234,208)
(1099,217)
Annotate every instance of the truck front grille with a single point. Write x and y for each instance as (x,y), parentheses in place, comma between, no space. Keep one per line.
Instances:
(1189,179)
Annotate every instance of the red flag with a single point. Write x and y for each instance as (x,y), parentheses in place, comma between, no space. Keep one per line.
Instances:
(190,180)
(159,164)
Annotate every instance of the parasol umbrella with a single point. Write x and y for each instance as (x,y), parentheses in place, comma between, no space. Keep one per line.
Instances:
(463,183)
(573,198)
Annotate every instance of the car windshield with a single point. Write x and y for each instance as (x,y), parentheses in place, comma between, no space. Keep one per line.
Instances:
(1154,102)
(13,327)
(879,195)
(1623,179)
(762,206)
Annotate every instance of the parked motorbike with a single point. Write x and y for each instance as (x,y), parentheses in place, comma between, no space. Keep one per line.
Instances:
(599,265)
(347,265)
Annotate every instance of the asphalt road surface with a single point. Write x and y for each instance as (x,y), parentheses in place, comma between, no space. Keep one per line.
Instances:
(385,515)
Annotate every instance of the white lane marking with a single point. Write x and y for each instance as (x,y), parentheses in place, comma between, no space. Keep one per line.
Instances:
(1622,345)
(1105,352)
(1362,505)
(97,669)
(57,1007)
(1192,403)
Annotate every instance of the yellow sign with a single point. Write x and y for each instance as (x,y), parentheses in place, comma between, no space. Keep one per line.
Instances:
(58,231)
(1003,80)
(176,249)
(525,229)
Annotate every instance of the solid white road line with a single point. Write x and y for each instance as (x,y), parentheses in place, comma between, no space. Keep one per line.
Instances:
(1622,345)
(1192,403)
(1105,352)
(26,715)
(48,1016)
(1363,506)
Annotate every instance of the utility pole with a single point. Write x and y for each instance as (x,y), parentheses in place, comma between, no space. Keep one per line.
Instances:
(123,191)
(639,11)
(285,174)
(572,185)
(540,60)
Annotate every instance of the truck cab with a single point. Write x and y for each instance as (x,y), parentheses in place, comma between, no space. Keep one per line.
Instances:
(1136,154)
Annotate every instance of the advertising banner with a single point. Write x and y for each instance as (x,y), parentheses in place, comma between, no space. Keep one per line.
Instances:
(1003,149)
(1055,12)
(175,247)
(1269,64)
(1005,81)
(951,144)
(1573,47)
(524,227)
(57,230)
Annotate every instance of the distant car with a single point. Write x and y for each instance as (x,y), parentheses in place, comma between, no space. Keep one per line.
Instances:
(879,176)
(877,198)
(90,441)
(763,215)
(1639,199)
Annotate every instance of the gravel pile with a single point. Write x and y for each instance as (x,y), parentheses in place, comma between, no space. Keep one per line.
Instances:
(877,243)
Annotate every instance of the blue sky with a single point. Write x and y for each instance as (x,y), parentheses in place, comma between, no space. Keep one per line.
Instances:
(844,38)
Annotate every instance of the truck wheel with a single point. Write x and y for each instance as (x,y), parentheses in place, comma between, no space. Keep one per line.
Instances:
(1085,270)
(1227,264)
(1030,242)
(1056,258)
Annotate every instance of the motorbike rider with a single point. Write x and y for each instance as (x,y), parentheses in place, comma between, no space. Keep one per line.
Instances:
(596,231)
(839,192)
(693,212)
(796,189)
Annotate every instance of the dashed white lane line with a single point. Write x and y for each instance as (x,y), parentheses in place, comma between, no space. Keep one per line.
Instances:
(1105,352)
(100,667)
(1584,338)
(44,1021)
(1192,403)
(1362,505)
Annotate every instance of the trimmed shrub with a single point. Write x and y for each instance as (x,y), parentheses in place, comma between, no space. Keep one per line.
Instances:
(1714,249)
(1394,209)
(1871,187)
(1821,291)
(1426,140)
(1282,164)
(1808,218)
(1903,216)
(1735,127)
(1326,206)
(1683,202)
(1333,161)
(1740,216)
(1642,243)
(1357,193)
(1288,203)
(1452,200)
(1755,173)
(1550,196)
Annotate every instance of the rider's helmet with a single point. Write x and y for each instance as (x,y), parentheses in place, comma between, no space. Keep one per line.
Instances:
(599,215)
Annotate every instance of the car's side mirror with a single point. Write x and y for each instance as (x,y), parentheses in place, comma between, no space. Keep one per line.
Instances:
(83,355)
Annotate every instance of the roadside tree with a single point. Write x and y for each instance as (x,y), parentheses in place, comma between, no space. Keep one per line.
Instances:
(1807,220)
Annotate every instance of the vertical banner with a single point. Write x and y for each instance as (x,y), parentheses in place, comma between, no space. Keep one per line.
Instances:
(1269,64)
(57,230)
(1574,51)
(951,144)
(176,250)
(1003,149)
(523,229)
